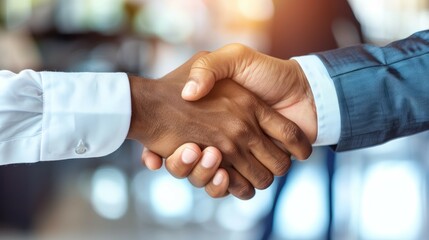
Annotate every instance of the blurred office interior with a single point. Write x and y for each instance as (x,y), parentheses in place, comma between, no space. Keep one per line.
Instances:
(376,193)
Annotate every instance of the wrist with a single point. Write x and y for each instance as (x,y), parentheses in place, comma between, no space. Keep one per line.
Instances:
(309,123)
(305,85)
(325,101)
(140,89)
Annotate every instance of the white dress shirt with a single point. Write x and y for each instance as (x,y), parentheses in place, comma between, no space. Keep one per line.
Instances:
(51,115)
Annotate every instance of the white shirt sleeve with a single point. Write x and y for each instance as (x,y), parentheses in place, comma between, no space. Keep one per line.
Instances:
(325,98)
(51,116)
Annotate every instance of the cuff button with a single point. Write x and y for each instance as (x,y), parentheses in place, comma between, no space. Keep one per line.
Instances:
(80,148)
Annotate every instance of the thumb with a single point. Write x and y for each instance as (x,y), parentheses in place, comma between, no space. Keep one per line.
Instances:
(196,89)
(202,77)
(206,70)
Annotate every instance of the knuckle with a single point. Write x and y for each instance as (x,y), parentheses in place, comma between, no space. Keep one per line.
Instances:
(255,141)
(304,153)
(245,191)
(290,133)
(237,48)
(264,181)
(240,130)
(176,169)
(213,192)
(247,101)
(198,178)
(261,177)
(282,166)
(206,63)
(267,116)
(203,62)
(228,148)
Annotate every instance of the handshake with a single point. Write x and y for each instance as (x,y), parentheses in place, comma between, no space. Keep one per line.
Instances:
(229,120)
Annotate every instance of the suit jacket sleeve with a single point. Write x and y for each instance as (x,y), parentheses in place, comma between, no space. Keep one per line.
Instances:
(383,92)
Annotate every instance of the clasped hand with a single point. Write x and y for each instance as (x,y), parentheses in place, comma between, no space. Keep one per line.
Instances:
(255,141)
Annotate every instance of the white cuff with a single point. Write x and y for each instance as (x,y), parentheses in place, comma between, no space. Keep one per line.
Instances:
(325,98)
(84,114)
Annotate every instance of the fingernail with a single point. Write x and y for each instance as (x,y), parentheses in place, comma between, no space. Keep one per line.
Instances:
(190,88)
(189,156)
(209,160)
(218,178)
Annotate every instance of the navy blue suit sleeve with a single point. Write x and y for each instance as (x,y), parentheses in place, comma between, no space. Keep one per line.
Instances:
(383,92)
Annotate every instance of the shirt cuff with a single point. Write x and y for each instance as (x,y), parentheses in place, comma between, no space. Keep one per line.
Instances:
(84,114)
(325,98)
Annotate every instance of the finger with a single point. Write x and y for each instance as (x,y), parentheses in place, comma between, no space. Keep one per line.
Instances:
(253,170)
(270,155)
(287,132)
(218,186)
(183,160)
(151,160)
(239,186)
(206,168)
(225,62)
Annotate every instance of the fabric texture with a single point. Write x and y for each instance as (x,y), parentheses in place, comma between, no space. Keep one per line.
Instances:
(383,92)
(52,115)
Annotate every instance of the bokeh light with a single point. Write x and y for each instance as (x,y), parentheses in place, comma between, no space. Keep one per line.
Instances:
(239,215)
(391,206)
(302,211)
(170,199)
(109,196)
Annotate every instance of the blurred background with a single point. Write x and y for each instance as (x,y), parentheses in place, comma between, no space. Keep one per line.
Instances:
(377,193)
